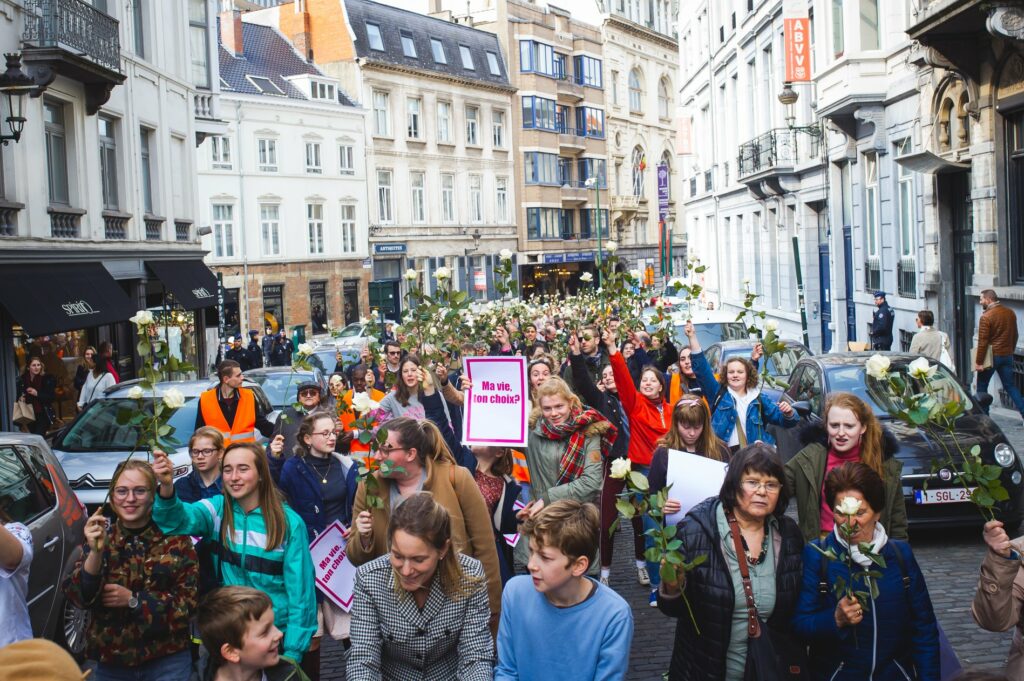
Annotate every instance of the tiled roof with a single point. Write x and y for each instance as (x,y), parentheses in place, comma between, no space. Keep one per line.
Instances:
(393,22)
(266,54)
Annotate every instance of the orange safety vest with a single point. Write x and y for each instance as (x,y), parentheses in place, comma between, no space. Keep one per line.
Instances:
(676,392)
(348,415)
(244,427)
(520,471)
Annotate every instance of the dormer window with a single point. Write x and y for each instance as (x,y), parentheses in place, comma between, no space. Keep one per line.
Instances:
(374,37)
(408,45)
(323,91)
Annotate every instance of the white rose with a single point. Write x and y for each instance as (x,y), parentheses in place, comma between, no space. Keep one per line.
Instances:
(173,398)
(505,254)
(611,247)
(619,469)
(920,368)
(636,274)
(442,273)
(362,403)
(659,303)
(364,320)
(135,393)
(848,506)
(432,331)
(771,325)
(305,349)
(877,366)
(410,275)
(142,318)
(746,281)
(587,277)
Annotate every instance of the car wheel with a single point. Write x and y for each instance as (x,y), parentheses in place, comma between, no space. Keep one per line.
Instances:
(71,629)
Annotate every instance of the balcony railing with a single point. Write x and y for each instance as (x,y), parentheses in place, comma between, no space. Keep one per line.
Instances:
(872,274)
(74,24)
(906,278)
(625,202)
(115,225)
(776,148)
(64,222)
(182,230)
(154,228)
(9,217)
(206,105)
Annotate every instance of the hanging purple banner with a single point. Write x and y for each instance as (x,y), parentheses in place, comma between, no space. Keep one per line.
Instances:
(663,178)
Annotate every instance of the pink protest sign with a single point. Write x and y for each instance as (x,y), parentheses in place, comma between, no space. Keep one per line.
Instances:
(334,573)
(497,405)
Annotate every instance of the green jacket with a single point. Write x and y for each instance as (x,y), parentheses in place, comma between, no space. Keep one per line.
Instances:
(805,477)
(285,573)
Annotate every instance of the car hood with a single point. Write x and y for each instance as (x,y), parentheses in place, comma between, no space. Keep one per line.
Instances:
(101,465)
(920,448)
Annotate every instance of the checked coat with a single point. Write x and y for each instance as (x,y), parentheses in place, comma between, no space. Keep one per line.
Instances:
(393,639)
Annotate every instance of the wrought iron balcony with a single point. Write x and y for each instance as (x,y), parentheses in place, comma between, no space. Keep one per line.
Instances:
(766,162)
(74,39)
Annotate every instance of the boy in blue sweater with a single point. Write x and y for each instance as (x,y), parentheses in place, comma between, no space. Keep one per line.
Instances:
(593,625)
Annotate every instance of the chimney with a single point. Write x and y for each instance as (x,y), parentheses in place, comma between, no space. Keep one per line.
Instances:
(231,32)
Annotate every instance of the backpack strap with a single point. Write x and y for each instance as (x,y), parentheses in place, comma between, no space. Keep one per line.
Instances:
(903,568)
(823,586)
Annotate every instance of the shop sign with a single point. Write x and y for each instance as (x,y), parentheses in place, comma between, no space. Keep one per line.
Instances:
(554,257)
(389,249)
(579,257)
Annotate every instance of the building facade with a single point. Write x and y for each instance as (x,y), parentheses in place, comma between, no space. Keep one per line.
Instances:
(284,189)
(98,213)
(641,74)
(753,179)
(559,133)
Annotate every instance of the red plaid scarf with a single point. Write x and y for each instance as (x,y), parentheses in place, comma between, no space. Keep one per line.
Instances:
(574,458)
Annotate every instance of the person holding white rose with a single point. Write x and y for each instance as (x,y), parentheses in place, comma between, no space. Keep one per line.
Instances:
(895,636)
(849,432)
(355,403)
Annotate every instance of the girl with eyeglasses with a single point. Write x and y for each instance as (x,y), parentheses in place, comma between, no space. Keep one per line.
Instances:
(259,541)
(138,583)
(206,447)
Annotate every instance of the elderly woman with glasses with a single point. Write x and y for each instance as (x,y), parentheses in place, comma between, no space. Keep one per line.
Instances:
(138,584)
(745,535)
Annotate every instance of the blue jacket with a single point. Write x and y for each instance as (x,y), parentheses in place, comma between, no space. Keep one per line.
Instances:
(303,490)
(898,638)
(760,414)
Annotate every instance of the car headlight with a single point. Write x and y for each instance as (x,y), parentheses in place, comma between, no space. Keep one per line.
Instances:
(180,471)
(1004,455)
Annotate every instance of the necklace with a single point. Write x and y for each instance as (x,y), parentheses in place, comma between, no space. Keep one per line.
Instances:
(764,550)
(327,473)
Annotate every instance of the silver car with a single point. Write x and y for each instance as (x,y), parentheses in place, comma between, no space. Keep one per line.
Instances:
(35,492)
(91,447)
(356,335)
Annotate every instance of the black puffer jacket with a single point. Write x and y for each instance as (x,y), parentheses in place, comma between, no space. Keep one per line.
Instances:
(711,592)
(605,402)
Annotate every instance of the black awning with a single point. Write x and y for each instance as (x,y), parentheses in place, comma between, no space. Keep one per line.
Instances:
(50,298)
(193,284)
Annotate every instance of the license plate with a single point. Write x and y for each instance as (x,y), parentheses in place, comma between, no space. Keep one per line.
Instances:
(953,495)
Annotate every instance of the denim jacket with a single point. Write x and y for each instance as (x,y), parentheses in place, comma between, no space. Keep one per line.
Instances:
(760,413)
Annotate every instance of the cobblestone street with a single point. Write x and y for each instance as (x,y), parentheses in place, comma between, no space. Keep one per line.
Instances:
(950,562)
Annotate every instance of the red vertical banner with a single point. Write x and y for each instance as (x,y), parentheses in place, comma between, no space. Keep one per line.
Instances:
(798,49)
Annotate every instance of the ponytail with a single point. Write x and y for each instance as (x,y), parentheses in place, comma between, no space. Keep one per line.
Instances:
(423,436)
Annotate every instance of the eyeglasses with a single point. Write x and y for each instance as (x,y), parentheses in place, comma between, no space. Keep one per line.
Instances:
(327,434)
(394,352)
(387,449)
(309,392)
(756,485)
(202,453)
(137,492)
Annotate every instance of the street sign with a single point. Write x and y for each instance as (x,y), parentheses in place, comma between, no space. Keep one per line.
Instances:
(389,249)
(368,264)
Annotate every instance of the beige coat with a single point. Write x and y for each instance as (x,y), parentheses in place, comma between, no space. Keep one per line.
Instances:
(454,488)
(997,603)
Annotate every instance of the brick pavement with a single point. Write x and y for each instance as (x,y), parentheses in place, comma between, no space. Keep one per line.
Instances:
(949,561)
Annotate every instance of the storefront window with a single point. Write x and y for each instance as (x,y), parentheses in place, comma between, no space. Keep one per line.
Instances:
(232,323)
(350,294)
(273,307)
(178,329)
(318,306)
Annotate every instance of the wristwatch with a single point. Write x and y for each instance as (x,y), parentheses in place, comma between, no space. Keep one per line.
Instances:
(133,601)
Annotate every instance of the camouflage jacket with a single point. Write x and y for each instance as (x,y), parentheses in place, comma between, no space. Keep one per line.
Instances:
(163,573)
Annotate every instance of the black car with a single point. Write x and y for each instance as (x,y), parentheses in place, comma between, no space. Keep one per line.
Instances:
(941,504)
(780,364)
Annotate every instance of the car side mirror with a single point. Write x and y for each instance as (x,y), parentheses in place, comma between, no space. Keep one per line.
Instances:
(803,408)
(984,400)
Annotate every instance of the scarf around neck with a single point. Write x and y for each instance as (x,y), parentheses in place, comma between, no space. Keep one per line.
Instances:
(878,541)
(573,429)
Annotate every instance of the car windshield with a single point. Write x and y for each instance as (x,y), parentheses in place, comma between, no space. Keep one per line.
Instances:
(709,333)
(97,429)
(351,331)
(280,387)
(853,379)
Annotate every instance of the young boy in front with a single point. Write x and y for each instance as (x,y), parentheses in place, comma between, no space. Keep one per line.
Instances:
(557,623)
(236,624)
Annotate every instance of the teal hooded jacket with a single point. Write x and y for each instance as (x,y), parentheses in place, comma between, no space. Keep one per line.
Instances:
(285,573)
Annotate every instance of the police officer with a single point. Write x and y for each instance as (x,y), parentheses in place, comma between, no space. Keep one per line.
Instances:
(237,353)
(881,323)
(254,350)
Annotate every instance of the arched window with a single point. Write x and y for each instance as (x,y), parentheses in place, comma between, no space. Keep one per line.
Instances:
(639,168)
(636,91)
(664,99)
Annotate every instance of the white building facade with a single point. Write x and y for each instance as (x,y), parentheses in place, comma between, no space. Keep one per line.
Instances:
(284,190)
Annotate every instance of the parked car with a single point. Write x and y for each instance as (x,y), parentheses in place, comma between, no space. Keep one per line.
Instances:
(355,335)
(279,383)
(326,356)
(780,365)
(713,326)
(931,499)
(35,491)
(90,447)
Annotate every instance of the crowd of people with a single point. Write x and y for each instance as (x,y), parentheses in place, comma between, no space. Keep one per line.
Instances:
(211,573)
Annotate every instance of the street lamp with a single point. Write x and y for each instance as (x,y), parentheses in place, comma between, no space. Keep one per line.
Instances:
(468,252)
(592,183)
(788,97)
(15,84)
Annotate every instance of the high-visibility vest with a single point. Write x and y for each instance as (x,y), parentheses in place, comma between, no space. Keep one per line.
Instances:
(347,415)
(520,471)
(243,429)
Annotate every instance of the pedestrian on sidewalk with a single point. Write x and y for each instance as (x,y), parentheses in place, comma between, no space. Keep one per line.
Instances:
(930,342)
(881,324)
(997,329)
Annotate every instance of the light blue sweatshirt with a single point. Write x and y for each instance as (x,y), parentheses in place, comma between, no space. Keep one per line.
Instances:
(591,639)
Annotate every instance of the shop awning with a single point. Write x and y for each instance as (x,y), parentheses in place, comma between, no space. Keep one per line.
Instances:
(50,298)
(191,281)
